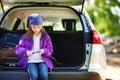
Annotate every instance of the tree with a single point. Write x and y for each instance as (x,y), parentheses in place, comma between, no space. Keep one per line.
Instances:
(105,16)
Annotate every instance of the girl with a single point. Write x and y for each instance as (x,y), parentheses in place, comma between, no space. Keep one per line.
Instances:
(35,47)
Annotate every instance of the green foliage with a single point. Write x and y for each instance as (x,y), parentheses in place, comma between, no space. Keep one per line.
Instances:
(103,18)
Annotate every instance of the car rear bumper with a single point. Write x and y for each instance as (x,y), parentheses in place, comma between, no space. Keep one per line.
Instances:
(23,75)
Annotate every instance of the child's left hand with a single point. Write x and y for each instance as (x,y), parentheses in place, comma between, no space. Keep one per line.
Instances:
(41,51)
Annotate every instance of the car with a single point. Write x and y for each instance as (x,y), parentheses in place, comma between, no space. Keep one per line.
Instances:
(78,50)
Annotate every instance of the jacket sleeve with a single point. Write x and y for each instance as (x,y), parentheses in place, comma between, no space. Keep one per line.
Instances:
(20,48)
(48,47)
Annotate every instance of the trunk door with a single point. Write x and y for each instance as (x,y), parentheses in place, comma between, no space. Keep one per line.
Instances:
(5,3)
(55,2)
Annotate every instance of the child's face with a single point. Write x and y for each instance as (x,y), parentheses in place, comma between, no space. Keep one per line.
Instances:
(36,28)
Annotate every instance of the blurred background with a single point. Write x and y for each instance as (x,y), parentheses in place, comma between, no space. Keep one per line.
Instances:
(105,15)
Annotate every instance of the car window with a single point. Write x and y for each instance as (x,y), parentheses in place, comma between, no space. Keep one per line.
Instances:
(55,19)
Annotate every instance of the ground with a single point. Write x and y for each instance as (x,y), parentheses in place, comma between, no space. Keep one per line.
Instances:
(113,67)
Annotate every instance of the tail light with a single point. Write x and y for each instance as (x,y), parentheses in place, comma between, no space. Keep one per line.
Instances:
(96,37)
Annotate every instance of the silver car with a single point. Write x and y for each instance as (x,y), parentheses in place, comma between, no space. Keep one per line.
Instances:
(78,50)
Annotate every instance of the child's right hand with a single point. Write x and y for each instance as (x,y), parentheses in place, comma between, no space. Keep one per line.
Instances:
(29,53)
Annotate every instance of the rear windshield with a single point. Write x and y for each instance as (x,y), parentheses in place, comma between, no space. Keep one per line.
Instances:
(55,19)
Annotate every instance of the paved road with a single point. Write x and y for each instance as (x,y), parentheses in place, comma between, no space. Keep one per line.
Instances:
(113,67)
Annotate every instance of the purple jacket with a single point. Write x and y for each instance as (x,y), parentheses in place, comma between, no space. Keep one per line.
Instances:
(26,43)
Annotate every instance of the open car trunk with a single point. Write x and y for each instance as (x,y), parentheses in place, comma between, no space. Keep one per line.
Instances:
(63,24)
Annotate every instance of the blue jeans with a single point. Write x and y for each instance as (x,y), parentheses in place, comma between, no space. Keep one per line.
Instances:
(38,69)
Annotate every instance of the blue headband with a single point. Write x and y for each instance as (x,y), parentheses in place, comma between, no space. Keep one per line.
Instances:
(35,19)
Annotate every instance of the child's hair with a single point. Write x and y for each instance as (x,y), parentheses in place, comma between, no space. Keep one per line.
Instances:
(30,33)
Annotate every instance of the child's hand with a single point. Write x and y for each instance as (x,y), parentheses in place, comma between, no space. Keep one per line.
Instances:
(41,51)
(29,53)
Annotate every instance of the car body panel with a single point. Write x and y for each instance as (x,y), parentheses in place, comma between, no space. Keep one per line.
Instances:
(18,75)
